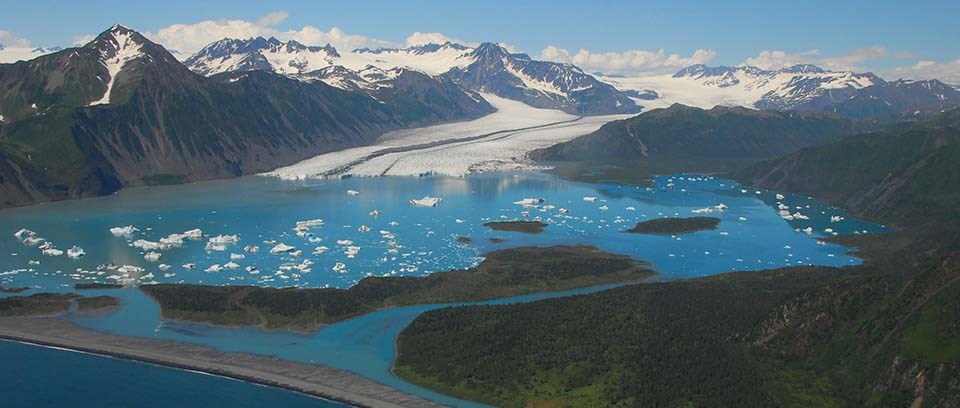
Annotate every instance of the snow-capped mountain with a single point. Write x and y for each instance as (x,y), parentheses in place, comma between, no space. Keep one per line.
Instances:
(488,67)
(14,54)
(539,83)
(287,58)
(800,87)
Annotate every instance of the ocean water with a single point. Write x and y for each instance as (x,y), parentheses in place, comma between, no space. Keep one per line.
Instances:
(401,240)
(38,377)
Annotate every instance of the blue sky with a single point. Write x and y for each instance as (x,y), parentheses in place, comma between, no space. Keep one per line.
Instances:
(733,31)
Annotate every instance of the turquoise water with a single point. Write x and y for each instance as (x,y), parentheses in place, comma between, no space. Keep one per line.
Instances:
(402,240)
(83,380)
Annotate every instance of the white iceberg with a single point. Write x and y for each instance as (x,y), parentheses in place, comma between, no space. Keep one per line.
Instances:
(529,202)
(251,249)
(231,265)
(52,252)
(189,266)
(426,201)
(320,249)
(224,239)
(214,268)
(237,256)
(281,248)
(126,231)
(76,252)
(163,267)
(23,232)
(152,256)
(363,228)
(353,193)
(590,199)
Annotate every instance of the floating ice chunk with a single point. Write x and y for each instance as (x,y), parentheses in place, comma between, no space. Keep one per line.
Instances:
(589,199)
(363,228)
(169,275)
(214,268)
(23,233)
(828,230)
(31,241)
(529,202)
(743,190)
(351,251)
(76,252)
(193,234)
(426,201)
(836,218)
(798,216)
(631,208)
(126,231)
(52,252)
(152,256)
(215,247)
(780,196)
(742,218)
(224,239)
(296,253)
(252,270)
(237,256)
(147,245)
(130,269)
(231,265)
(164,267)
(33,262)
(458,221)
(353,193)
(320,249)
(339,267)
(604,208)
(281,248)
(808,230)
(375,213)
(189,266)
(251,249)
(344,242)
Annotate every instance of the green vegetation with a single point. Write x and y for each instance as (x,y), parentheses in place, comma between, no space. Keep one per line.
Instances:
(97,304)
(504,273)
(884,333)
(526,227)
(672,226)
(40,304)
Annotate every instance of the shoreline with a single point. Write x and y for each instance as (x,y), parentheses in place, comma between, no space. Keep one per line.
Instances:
(317,381)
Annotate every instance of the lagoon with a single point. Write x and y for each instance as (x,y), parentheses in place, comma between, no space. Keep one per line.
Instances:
(402,240)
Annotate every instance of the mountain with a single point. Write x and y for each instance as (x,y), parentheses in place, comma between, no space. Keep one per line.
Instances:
(540,83)
(122,111)
(905,173)
(800,87)
(488,67)
(687,133)
(407,90)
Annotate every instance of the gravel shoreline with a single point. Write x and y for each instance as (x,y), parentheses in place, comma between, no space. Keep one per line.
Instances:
(324,382)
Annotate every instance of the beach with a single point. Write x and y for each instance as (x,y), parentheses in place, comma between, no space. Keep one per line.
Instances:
(324,382)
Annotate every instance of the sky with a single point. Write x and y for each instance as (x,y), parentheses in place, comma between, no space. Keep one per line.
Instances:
(893,38)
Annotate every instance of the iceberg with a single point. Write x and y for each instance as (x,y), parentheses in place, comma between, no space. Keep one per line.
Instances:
(426,201)
(164,267)
(76,252)
(23,232)
(281,248)
(590,199)
(320,249)
(224,239)
(375,213)
(251,249)
(126,231)
(31,240)
(213,268)
(237,256)
(363,228)
(189,266)
(353,193)
(339,267)
(193,234)
(529,202)
(231,265)
(52,252)
(152,256)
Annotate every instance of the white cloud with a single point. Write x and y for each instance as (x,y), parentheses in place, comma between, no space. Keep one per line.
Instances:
(190,38)
(851,61)
(272,18)
(635,62)
(8,39)
(945,71)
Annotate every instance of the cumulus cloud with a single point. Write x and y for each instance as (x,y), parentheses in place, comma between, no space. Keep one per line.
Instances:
(79,40)
(419,38)
(924,69)
(851,61)
(631,62)
(190,38)
(8,39)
